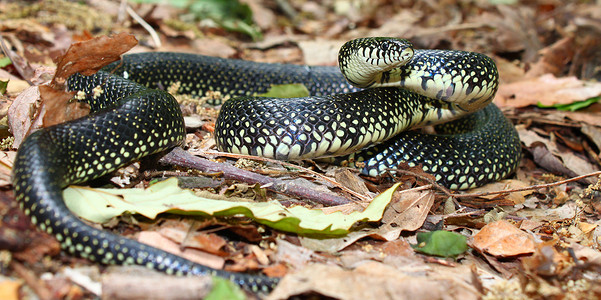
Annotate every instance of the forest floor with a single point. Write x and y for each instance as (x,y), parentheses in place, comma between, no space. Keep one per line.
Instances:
(534,235)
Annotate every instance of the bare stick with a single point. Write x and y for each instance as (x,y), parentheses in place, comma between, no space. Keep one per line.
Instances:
(283,163)
(435,184)
(533,187)
(184,159)
(151,31)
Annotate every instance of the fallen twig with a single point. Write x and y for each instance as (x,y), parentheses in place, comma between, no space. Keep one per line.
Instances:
(182,158)
(431,181)
(283,163)
(153,34)
(532,187)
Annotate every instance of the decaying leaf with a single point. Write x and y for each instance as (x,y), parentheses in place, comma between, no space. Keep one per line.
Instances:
(100,205)
(157,240)
(86,58)
(503,239)
(547,90)
(571,161)
(89,56)
(374,280)
(546,261)
(22,114)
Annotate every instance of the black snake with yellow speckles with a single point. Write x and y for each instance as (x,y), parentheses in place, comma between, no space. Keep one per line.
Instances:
(132,118)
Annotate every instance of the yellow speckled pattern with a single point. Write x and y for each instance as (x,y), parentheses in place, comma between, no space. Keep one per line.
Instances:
(407,89)
(133,118)
(129,122)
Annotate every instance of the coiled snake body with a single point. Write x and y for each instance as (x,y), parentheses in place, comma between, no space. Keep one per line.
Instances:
(132,118)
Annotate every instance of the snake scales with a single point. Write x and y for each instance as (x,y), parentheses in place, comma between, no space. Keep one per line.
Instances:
(134,118)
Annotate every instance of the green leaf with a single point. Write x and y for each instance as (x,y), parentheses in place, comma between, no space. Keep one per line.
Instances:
(225,289)
(503,2)
(100,205)
(286,91)
(3,86)
(229,14)
(174,3)
(232,15)
(441,243)
(574,106)
(5,61)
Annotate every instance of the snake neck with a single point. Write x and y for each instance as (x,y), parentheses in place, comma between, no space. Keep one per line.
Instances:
(466,79)
(362,60)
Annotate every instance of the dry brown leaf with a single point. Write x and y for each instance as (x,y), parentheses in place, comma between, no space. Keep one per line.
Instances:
(295,256)
(593,133)
(408,213)
(546,90)
(530,225)
(157,240)
(276,270)
(502,239)
(210,243)
(590,118)
(82,57)
(213,47)
(351,180)
(264,18)
(89,56)
(58,102)
(321,52)
(398,247)
(571,161)
(151,285)
(546,261)
(21,113)
(509,71)
(9,289)
(507,184)
(333,245)
(15,84)
(6,163)
(374,280)
(402,24)
(564,212)
(586,254)
(553,59)
(587,228)
(546,160)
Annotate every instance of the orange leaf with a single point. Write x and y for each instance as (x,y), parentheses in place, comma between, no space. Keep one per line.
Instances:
(503,239)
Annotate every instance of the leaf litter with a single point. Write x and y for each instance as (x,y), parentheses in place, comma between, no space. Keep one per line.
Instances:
(547,54)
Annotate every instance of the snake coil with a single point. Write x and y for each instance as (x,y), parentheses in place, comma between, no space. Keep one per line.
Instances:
(133,118)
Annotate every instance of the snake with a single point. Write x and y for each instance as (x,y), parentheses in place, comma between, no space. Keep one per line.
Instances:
(385,88)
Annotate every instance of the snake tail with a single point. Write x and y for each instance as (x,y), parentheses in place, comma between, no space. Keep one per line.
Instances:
(128,121)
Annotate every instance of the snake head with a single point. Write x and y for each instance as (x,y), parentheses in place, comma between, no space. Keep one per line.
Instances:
(363,60)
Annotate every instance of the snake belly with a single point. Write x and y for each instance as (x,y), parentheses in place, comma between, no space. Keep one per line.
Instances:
(133,118)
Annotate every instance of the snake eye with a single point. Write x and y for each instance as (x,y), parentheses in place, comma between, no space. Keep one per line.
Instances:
(384,46)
